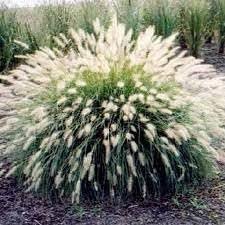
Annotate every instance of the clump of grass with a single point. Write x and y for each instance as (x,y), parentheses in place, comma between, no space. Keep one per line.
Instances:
(58,18)
(31,38)
(180,26)
(87,11)
(195,20)
(129,13)
(55,19)
(220,18)
(10,30)
(211,23)
(110,117)
(161,14)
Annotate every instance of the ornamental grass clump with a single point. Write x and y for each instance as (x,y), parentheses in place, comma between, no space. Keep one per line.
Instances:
(162,14)
(110,116)
(10,29)
(220,17)
(194,23)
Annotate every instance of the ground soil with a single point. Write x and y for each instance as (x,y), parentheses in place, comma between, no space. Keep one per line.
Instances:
(204,206)
(211,56)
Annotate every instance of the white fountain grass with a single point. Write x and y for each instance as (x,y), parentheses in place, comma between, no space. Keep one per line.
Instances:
(103,114)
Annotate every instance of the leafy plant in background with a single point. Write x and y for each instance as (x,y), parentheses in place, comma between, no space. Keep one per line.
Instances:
(129,13)
(161,14)
(211,23)
(220,7)
(112,117)
(30,38)
(194,20)
(196,17)
(180,27)
(10,30)
(56,19)
(88,11)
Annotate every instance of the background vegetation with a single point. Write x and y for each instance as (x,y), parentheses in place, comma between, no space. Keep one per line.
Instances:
(196,21)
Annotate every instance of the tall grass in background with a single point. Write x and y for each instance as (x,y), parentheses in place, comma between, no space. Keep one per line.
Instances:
(10,30)
(129,13)
(194,20)
(58,18)
(220,19)
(87,11)
(55,19)
(181,27)
(196,15)
(161,14)
(211,23)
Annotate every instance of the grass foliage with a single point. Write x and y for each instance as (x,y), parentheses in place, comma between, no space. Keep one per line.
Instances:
(195,21)
(88,11)
(220,18)
(129,13)
(162,14)
(56,19)
(12,30)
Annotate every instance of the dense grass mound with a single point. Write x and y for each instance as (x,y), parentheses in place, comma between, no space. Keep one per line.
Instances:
(102,115)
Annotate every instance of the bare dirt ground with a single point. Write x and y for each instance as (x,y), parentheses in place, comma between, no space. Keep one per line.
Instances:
(210,55)
(202,207)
